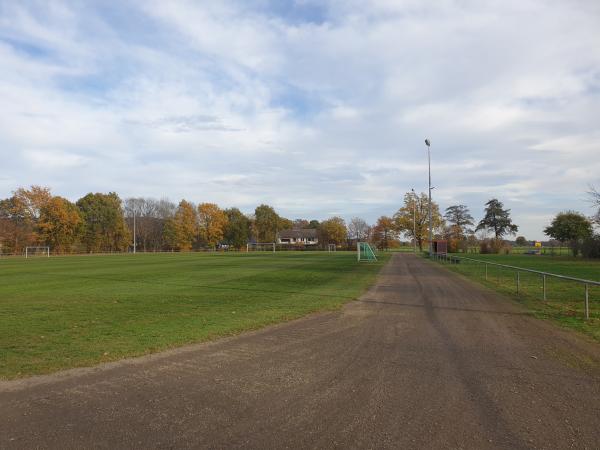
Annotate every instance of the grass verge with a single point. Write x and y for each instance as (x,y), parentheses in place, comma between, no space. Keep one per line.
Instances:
(564,303)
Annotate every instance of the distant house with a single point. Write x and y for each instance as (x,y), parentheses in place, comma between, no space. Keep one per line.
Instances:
(298,237)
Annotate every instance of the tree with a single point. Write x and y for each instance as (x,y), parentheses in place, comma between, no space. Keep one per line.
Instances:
(521,241)
(19,215)
(358,229)
(59,224)
(266,223)
(300,224)
(333,231)
(284,224)
(497,219)
(237,231)
(570,226)
(211,224)
(314,224)
(459,219)
(16,227)
(403,218)
(32,200)
(181,229)
(104,227)
(383,232)
(151,216)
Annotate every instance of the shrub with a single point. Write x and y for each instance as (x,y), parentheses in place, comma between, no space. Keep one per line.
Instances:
(590,247)
(494,246)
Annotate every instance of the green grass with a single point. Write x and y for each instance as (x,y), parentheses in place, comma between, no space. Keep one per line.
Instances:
(64,312)
(564,299)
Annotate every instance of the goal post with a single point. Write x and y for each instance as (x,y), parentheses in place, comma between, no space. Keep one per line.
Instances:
(331,248)
(30,252)
(365,252)
(260,247)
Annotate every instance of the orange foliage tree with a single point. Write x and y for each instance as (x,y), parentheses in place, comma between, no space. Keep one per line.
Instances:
(212,222)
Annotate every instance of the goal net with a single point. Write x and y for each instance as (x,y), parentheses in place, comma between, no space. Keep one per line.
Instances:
(365,252)
(260,247)
(31,252)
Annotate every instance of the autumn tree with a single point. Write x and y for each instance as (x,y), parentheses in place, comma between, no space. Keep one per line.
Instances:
(384,231)
(32,200)
(266,223)
(19,216)
(104,227)
(417,207)
(333,231)
(497,220)
(180,230)
(16,229)
(571,227)
(59,224)
(237,231)
(211,224)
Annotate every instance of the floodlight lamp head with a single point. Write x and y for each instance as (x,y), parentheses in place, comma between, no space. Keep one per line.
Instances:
(427,142)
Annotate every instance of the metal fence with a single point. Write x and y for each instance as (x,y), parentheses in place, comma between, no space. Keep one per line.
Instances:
(451,259)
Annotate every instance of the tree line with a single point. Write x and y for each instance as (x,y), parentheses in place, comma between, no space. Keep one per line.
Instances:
(100,222)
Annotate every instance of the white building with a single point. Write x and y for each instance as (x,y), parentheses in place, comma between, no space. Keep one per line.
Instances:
(298,237)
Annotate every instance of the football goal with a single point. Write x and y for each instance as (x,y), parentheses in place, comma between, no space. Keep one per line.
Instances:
(331,247)
(31,252)
(365,252)
(260,247)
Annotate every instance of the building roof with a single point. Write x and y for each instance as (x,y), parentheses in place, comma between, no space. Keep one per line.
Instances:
(298,234)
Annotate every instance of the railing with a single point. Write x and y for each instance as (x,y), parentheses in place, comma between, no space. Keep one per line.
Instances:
(452,259)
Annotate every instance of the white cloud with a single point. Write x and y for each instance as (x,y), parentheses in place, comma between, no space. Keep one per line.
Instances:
(241,105)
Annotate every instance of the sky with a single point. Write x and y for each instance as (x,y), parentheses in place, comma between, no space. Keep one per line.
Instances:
(318,108)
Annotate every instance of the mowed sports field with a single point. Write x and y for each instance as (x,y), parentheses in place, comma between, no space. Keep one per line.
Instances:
(73,311)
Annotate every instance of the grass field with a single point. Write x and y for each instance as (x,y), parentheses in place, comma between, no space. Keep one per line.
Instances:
(565,299)
(64,312)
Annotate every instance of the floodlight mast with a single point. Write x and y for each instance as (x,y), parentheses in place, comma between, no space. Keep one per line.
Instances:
(134,237)
(428,144)
(414,220)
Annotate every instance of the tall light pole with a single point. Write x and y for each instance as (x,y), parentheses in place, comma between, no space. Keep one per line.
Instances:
(134,239)
(414,220)
(428,144)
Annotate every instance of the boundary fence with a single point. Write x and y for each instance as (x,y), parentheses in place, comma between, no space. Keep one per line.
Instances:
(452,259)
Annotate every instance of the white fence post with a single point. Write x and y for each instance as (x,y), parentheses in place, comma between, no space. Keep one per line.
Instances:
(587,301)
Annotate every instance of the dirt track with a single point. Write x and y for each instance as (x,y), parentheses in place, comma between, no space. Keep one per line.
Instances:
(424,360)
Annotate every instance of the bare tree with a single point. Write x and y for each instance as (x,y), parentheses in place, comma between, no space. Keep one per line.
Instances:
(358,229)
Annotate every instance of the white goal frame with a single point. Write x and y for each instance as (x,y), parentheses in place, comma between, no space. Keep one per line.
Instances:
(364,252)
(266,245)
(331,248)
(28,253)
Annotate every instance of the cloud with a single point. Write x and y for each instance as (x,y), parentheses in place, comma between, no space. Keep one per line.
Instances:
(314,107)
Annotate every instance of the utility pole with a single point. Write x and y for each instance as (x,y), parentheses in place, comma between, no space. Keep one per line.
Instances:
(414,220)
(428,144)
(134,230)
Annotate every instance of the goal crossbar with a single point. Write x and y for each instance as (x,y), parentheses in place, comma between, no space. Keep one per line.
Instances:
(36,251)
(260,246)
